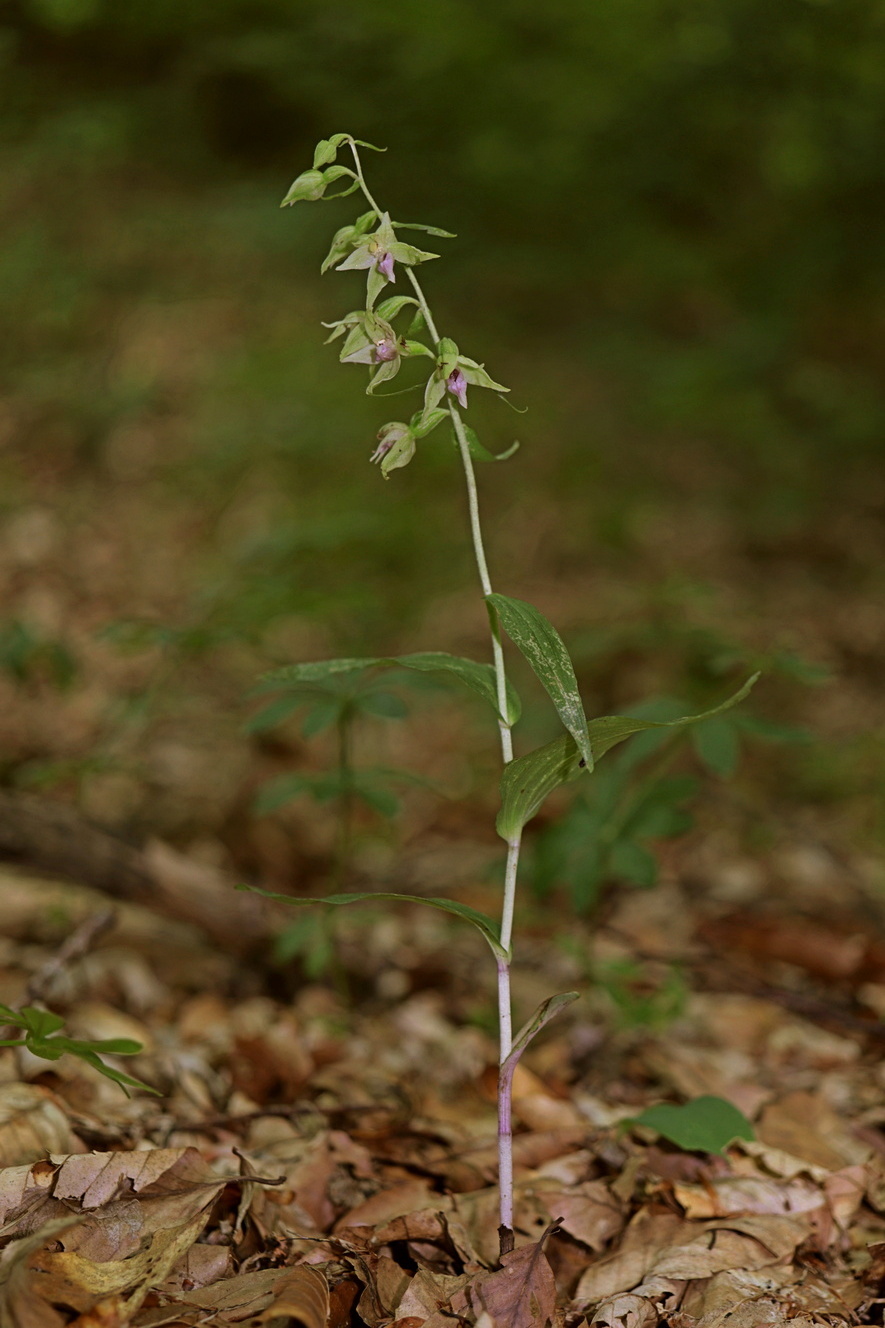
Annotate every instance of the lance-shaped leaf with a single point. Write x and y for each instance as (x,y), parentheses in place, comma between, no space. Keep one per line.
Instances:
(609,730)
(527,781)
(481,921)
(546,1011)
(545,650)
(480,678)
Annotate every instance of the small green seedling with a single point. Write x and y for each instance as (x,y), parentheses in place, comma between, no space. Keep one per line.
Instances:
(43,1038)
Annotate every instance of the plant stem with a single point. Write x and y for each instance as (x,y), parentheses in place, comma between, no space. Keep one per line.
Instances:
(505,1025)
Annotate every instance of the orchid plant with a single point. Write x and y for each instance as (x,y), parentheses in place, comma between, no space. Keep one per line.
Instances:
(379,337)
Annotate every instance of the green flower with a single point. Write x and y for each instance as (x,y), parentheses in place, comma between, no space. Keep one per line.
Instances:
(379,252)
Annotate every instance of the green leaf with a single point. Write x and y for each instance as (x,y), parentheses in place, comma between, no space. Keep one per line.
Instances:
(322,715)
(125,1081)
(528,780)
(545,650)
(479,920)
(634,863)
(385,704)
(609,730)
(705,1125)
(717,744)
(380,800)
(277,792)
(546,1011)
(276,713)
(480,678)
(40,1023)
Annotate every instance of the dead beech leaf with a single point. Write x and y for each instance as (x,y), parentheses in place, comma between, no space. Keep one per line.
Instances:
(429,1293)
(626,1311)
(68,1278)
(806,1126)
(32,1125)
(22,1304)
(648,1234)
(587,1211)
(95,1178)
(301,1296)
(522,1293)
(726,1195)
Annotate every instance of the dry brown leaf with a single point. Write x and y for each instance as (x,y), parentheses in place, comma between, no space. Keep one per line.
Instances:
(386,1283)
(805,1126)
(21,1303)
(67,1278)
(522,1293)
(646,1236)
(399,1200)
(301,1296)
(32,1124)
(626,1311)
(429,1293)
(588,1211)
(725,1195)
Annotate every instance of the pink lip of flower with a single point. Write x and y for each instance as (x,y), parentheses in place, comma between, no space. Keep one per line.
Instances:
(385,351)
(384,264)
(457,385)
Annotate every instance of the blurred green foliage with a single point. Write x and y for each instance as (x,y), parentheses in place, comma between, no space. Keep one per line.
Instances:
(671,243)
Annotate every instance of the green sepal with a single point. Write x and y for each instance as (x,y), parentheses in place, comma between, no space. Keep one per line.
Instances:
(398,456)
(306,188)
(327,150)
(386,370)
(390,307)
(422,425)
(430,230)
(484,924)
(447,352)
(415,348)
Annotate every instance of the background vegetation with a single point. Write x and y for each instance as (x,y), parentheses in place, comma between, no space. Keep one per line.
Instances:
(670,244)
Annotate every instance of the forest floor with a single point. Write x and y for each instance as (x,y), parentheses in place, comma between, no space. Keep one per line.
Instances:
(322,1150)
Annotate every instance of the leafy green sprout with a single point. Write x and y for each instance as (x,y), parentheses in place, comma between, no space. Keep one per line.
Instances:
(339,703)
(370,338)
(42,1037)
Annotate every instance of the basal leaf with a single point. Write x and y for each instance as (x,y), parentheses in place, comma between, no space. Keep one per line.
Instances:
(545,650)
(480,678)
(705,1125)
(479,920)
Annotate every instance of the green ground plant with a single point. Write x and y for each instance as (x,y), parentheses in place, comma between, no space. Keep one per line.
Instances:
(386,335)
